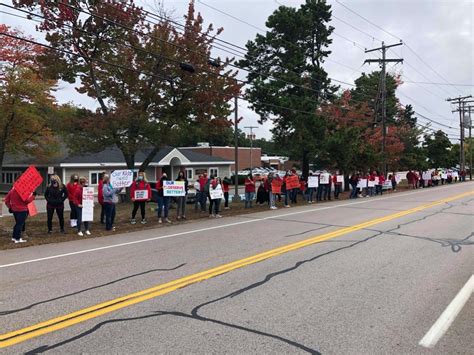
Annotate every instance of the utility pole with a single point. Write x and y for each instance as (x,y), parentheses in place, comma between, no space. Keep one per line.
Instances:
(251,146)
(460,101)
(236,151)
(382,63)
(469,124)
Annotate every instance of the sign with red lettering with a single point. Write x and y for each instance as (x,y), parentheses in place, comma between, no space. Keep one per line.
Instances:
(292,182)
(276,186)
(88,204)
(28,182)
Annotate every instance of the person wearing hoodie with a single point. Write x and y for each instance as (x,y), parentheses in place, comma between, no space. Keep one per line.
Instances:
(110,199)
(181,200)
(19,209)
(55,195)
(139,200)
(72,187)
(163,201)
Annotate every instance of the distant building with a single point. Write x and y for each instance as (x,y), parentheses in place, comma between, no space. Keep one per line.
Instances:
(276,162)
(170,160)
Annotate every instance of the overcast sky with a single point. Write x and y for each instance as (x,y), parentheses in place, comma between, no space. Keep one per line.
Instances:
(439,32)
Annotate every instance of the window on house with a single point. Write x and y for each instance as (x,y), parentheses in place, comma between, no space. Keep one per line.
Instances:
(9,177)
(214,171)
(189,174)
(94,177)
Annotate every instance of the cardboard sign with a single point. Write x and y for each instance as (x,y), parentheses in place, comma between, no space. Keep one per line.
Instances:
(292,182)
(377,180)
(276,186)
(173,188)
(87,204)
(313,181)
(28,182)
(141,195)
(324,179)
(340,178)
(370,183)
(32,211)
(216,193)
(121,178)
(362,184)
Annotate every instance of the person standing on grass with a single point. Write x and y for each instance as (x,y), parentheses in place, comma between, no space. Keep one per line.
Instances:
(71,187)
(55,195)
(197,198)
(181,200)
(214,204)
(19,209)
(337,186)
(163,201)
(100,197)
(354,181)
(379,186)
(249,191)
(110,199)
(225,187)
(141,198)
(203,181)
(77,202)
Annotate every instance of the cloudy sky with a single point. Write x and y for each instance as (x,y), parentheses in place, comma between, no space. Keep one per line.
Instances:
(438,49)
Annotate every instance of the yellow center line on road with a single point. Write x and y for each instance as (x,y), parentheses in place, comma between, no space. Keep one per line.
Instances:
(20,335)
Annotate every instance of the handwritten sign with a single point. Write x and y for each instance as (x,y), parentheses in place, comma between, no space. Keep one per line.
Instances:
(340,178)
(444,176)
(426,175)
(216,193)
(32,211)
(121,178)
(370,183)
(324,178)
(377,180)
(455,174)
(141,195)
(173,188)
(28,182)
(276,186)
(313,181)
(292,182)
(362,184)
(87,204)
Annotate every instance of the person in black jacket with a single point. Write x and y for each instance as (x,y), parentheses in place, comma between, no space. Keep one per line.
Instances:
(55,195)
(181,200)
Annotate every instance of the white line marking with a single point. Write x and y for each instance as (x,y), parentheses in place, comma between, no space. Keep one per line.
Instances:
(208,229)
(448,316)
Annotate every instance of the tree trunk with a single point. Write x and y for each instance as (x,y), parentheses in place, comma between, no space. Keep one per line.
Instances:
(149,158)
(305,164)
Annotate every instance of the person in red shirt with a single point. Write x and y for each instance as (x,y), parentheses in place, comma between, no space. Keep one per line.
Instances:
(225,188)
(71,187)
(337,186)
(249,191)
(77,201)
(378,187)
(203,180)
(140,199)
(19,209)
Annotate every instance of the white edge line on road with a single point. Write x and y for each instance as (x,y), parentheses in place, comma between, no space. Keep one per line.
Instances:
(207,229)
(448,316)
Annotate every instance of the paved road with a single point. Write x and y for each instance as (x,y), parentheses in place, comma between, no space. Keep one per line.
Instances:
(373,288)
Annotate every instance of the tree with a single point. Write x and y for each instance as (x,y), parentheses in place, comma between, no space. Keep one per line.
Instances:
(438,150)
(132,69)
(413,156)
(26,101)
(288,81)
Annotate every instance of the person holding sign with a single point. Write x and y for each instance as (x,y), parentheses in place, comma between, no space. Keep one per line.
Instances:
(71,187)
(163,201)
(379,183)
(110,199)
(337,180)
(140,193)
(77,203)
(55,195)
(19,208)
(215,196)
(249,191)
(225,187)
(181,200)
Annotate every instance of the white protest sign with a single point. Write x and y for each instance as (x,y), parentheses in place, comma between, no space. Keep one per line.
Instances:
(340,178)
(87,204)
(324,179)
(362,184)
(399,177)
(387,185)
(426,175)
(370,183)
(455,174)
(121,178)
(377,180)
(216,193)
(141,195)
(173,188)
(313,181)
(444,176)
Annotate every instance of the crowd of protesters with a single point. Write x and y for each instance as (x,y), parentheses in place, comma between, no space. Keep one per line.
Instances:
(209,191)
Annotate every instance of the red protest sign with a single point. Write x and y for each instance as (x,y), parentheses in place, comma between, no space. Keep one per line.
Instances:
(292,182)
(32,211)
(28,182)
(276,186)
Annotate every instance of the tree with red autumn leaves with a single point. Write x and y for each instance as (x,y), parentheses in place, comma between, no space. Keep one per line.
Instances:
(133,68)
(26,101)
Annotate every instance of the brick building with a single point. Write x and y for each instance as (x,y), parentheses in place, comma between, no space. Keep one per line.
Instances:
(228,153)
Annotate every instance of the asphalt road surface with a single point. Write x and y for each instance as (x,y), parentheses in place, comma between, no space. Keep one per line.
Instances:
(369,276)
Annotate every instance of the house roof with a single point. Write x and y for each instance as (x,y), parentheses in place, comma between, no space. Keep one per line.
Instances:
(113,156)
